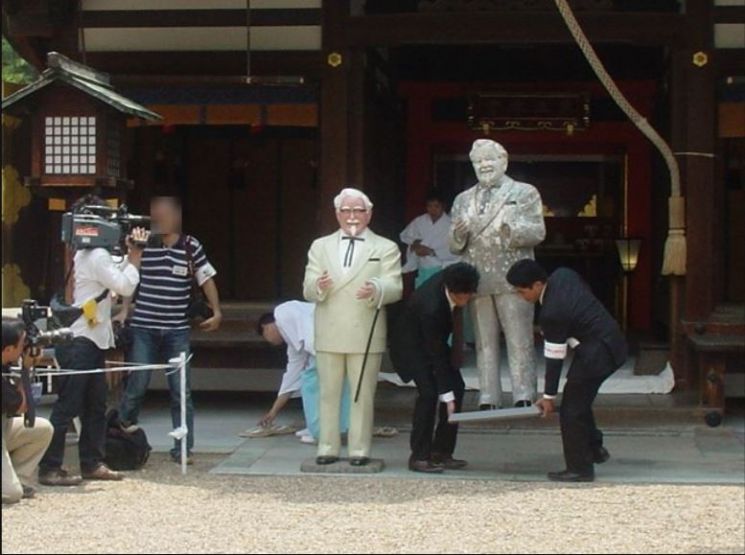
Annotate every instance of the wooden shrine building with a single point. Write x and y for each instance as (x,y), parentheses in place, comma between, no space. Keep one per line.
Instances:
(269,107)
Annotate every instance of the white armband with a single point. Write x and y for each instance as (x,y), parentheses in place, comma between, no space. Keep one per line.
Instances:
(447,397)
(204,272)
(556,351)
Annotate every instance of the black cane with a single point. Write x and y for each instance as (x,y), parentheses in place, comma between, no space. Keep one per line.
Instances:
(367,352)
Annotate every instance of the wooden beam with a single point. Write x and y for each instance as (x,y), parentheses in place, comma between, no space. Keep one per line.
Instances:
(208,64)
(729,14)
(199,18)
(510,27)
(29,26)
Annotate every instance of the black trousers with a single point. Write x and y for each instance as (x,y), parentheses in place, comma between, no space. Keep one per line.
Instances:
(579,434)
(423,443)
(84,396)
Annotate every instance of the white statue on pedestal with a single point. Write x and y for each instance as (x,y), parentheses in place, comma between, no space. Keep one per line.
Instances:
(496,223)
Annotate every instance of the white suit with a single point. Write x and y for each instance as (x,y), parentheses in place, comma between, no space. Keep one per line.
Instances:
(342,327)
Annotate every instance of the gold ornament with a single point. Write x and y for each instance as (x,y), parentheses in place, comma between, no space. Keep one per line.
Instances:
(14,290)
(15,195)
(700,59)
(334,59)
(11,122)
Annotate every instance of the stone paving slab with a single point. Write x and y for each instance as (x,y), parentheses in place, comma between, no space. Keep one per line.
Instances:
(685,457)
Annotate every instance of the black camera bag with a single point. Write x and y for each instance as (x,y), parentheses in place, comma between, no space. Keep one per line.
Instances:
(124,451)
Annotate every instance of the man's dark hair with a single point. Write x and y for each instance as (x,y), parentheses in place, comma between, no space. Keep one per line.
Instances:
(461,278)
(525,272)
(265,319)
(435,194)
(88,200)
(13,329)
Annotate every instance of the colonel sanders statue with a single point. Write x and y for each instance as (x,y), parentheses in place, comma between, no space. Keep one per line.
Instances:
(350,275)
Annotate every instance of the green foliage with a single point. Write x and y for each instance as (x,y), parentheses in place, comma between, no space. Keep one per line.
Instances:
(15,68)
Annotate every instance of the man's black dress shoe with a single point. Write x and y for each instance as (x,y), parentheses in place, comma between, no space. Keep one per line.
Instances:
(326,460)
(449,463)
(600,455)
(524,404)
(569,476)
(359,461)
(424,466)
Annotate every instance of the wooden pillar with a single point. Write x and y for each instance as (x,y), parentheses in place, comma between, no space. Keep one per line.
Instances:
(694,138)
(334,110)
(356,123)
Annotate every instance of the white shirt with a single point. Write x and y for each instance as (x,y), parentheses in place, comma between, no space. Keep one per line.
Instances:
(433,235)
(96,270)
(344,245)
(294,321)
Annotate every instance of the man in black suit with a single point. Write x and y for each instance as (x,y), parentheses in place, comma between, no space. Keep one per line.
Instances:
(420,351)
(571,316)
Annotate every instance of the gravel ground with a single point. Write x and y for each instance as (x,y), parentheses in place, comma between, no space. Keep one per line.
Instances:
(158,511)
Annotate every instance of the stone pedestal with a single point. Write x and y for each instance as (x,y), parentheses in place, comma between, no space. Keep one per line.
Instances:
(342,466)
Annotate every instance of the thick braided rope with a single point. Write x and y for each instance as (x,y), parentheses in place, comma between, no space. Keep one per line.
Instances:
(674,259)
(619,98)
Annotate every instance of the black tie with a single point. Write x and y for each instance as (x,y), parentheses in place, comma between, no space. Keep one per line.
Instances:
(349,255)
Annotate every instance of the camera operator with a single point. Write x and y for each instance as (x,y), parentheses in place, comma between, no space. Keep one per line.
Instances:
(84,395)
(173,267)
(22,447)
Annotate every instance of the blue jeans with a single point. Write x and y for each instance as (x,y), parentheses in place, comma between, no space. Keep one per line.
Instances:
(158,346)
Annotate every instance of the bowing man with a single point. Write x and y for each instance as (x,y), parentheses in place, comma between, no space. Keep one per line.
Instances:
(572,317)
(420,351)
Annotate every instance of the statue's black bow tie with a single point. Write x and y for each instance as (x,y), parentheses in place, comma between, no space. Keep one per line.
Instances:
(349,255)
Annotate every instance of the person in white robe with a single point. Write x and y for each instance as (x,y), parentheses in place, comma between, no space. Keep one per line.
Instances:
(428,241)
(291,323)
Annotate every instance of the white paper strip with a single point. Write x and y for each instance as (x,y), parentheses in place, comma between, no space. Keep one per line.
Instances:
(497,414)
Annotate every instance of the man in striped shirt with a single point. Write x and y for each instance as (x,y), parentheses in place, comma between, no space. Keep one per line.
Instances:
(160,325)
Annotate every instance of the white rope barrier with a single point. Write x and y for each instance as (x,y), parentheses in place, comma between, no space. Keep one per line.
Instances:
(124,367)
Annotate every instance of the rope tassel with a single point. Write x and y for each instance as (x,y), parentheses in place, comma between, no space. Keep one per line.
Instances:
(674,260)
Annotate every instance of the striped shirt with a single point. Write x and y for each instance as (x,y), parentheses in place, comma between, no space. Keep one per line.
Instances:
(165,284)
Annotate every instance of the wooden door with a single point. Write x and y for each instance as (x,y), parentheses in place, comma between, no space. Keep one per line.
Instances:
(251,200)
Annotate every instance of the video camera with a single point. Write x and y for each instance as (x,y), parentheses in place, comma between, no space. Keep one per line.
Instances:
(93,226)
